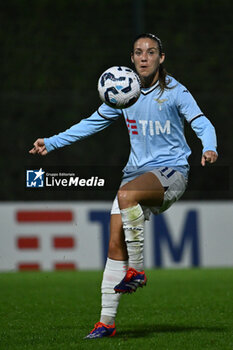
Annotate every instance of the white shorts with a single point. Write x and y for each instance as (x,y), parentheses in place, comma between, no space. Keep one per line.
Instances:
(174,184)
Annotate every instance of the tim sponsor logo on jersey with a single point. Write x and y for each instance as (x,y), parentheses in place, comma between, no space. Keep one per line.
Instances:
(153,127)
(132,126)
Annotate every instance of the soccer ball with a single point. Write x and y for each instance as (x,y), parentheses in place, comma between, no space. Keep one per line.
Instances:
(119,87)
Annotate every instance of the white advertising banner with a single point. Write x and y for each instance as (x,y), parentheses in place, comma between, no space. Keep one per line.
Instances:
(74,235)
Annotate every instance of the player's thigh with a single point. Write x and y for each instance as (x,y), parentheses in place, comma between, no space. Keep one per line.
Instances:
(145,189)
(117,247)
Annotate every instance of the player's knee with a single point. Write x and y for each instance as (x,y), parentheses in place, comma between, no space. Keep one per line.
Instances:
(126,198)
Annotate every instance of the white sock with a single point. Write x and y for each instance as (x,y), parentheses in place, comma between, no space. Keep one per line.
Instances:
(114,272)
(133,224)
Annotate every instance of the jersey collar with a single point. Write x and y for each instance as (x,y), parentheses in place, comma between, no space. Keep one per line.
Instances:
(146,91)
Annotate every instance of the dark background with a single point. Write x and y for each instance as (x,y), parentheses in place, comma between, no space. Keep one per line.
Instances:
(52,54)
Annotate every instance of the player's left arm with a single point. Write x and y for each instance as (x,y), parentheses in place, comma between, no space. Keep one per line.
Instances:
(201,125)
(209,156)
(205,131)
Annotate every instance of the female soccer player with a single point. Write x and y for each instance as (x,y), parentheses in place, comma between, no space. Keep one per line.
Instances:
(156,173)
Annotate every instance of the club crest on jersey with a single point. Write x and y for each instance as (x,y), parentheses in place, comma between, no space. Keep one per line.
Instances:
(160,102)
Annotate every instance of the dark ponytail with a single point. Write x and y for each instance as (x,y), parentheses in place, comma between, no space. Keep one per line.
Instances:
(164,80)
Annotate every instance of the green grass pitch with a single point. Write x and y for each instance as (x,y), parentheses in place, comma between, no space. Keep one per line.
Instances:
(178,310)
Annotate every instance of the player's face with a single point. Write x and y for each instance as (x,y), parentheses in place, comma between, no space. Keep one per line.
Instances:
(146,59)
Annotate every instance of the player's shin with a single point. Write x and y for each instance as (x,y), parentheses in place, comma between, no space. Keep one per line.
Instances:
(133,224)
(113,273)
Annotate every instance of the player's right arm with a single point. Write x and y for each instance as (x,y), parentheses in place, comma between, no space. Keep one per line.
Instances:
(39,147)
(86,127)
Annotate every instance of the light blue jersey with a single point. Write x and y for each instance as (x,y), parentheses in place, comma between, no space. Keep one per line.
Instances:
(156,129)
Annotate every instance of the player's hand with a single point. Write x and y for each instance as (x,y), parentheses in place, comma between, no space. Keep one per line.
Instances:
(209,157)
(39,148)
